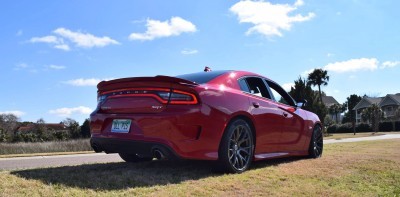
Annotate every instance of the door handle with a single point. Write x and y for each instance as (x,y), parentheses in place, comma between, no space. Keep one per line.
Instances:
(256,104)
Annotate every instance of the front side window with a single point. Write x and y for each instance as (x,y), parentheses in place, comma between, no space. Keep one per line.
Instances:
(279,94)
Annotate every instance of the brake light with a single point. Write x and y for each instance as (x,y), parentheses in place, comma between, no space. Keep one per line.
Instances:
(164,96)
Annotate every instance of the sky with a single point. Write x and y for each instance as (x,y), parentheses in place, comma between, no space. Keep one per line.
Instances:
(53,53)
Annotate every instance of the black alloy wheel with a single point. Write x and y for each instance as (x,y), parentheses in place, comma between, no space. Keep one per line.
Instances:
(316,143)
(237,147)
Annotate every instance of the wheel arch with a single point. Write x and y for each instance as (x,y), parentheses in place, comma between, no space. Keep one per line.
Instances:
(246,117)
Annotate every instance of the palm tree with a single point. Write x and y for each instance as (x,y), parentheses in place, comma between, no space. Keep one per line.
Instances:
(317,78)
(373,115)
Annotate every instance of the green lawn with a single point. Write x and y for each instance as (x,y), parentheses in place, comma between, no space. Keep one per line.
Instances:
(350,169)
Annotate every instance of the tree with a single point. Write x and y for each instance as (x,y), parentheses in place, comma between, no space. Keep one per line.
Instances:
(8,124)
(85,128)
(396,116)
(41,129)
(373,115)
(317,78)
(73,127)
(350,115)
(303,91)
(336,109)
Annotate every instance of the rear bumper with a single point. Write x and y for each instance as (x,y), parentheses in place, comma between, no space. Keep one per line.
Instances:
(187,132)
(142,148)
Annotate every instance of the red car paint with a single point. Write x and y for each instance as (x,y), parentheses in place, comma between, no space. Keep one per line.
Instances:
(193,128)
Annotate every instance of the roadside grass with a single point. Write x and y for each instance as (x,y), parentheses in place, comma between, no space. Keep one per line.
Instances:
(45,147)
(339,136)
(370,168)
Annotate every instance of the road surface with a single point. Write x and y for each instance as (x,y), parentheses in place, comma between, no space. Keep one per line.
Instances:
(78,159)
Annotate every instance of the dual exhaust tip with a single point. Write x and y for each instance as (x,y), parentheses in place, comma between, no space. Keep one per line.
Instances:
(157,152)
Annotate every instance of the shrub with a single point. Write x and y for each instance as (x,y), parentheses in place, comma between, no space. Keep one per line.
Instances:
(345,128)
(363,127)
(332,128)
(386,126)
(397,126)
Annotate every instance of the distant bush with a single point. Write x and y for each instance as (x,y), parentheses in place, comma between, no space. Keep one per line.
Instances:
(332,128)
(348,128)
(397,126)
(386,126)
(363,127)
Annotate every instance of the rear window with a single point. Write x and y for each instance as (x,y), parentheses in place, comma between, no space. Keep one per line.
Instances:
(202,77)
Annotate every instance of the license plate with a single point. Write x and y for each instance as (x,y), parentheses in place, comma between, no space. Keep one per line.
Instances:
(121,125)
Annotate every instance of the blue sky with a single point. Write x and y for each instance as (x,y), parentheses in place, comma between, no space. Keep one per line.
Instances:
(53,53)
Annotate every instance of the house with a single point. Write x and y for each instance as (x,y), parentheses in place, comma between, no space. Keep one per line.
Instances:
(389,104)
(328,102)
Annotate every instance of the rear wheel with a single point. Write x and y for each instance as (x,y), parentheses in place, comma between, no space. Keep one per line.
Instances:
(134,157)
(237,147)
(316,144)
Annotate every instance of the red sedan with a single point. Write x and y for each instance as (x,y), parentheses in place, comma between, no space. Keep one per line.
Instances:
(234,117)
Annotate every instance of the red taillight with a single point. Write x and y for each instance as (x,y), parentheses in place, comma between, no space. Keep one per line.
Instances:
(163,95)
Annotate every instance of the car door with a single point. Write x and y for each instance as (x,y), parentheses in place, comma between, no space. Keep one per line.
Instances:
(268,117)
(293,126)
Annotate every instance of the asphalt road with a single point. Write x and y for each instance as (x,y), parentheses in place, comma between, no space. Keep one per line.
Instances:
(79,159)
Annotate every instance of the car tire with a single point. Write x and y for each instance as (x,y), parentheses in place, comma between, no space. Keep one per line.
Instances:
(316,143)
(134,157)
(236,148)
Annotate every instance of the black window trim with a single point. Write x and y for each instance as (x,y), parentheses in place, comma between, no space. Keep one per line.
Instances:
(265,83)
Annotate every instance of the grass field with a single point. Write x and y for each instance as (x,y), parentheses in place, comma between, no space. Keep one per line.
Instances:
(350,169)
(45,147)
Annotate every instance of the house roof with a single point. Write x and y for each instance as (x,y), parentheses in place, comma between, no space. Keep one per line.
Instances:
(390,99)
(367,101)
(329,100)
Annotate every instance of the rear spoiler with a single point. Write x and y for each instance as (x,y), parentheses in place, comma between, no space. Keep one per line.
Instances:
(158,78)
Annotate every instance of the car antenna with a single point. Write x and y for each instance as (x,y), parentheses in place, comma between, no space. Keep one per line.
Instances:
(207,69)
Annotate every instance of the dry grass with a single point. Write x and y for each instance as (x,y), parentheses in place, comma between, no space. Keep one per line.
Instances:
(350,169)
(45,147)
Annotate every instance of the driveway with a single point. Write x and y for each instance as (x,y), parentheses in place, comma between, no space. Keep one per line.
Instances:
(78,159)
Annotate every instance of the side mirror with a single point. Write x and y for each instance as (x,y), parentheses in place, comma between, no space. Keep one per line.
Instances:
(301,103)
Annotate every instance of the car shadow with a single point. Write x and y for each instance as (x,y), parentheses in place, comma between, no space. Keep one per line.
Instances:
(115,176)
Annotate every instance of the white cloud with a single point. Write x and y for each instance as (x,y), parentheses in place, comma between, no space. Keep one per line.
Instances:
(287,86)
(268,19)
(84,40)
(69,111)
(15,112)
(159,29)
(64,47)
(353,65)
(56,67)
(85,82)
(45,39)
(189,51)
(389,64)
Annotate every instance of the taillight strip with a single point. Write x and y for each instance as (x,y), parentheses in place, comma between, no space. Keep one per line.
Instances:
(133,89)
(153,94)
(141,95)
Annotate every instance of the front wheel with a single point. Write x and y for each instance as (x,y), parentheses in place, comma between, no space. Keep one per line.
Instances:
(237,147)
(316,144)
(134,157)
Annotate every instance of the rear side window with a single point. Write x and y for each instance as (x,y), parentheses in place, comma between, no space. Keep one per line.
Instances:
(255,86)
(202,77)
(243,86)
